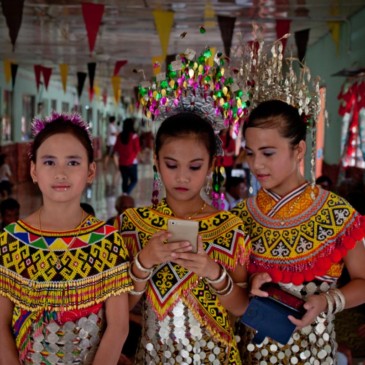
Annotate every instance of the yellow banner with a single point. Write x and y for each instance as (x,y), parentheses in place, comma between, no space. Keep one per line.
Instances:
(64,74)
(209,15)
(116,88)
(164,21)
(7,71)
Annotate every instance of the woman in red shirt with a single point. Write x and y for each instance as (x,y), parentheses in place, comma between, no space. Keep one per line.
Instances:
(128,147)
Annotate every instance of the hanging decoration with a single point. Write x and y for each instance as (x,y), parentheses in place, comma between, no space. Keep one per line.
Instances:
(156,64)
(14,70)
(163,22)
(13,13)
(209,15)
(47,72)
(64,73)
(226,26)
(105,96)
(37,74)
(7,70)
(118,65)
(301,40)
(91,67)
(92,14)
(352,110)
(81,77)
(283,29)
(335,26)
(116,88)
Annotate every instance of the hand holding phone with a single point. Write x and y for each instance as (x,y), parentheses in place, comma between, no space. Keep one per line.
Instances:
(184,230)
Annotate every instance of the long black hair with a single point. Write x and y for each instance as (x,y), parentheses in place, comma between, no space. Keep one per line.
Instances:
(128,130)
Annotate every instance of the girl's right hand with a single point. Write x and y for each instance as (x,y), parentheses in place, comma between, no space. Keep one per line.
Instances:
(158,251)
(256,281)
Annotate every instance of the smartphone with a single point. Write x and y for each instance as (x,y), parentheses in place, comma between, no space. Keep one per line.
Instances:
(184,230)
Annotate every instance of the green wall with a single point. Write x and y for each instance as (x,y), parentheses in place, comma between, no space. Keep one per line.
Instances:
(324,60)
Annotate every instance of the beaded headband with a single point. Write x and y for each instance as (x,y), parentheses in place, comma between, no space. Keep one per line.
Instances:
(191,83)
(39,124)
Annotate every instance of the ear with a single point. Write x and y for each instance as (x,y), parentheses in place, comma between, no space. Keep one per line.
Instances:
(301,149)
(155,162)
(92,172)
(33,172)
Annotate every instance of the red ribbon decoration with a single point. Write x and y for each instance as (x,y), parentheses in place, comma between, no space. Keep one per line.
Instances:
(47,72)
(118,66)
(282,28)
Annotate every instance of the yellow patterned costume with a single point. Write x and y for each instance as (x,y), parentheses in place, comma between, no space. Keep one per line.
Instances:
(183,319)
(59,291)
(300,240)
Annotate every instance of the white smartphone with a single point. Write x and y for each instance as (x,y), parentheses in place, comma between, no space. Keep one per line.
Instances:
(184,230)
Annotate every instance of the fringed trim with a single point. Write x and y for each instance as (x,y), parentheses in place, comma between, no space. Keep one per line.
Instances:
(320,264)
(218,332)
(64,295)
(161,308)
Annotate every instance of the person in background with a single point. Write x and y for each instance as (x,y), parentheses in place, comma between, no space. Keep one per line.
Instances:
(10,211)
(6,184)
(236,190)
(111,138)
(127,147)
(302,236)
(122,203)
(77,268)
(88,208)
(325,182)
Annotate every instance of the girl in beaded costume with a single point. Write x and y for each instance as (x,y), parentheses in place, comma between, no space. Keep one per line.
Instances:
(188,296)
(302,236)
(63,273)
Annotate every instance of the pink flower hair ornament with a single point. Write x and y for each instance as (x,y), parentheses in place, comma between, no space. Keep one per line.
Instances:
(39,124)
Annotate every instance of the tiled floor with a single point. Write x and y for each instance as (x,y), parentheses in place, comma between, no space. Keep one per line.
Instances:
(101,195)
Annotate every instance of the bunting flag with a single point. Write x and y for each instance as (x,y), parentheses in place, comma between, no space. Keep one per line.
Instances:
(283,28)
(105,96)
(7,71)
(226,26)
(209,15)
(37,74)
(335,29)
(116,88)
(118,65)
(156,64)
(91,67)
(14,70)
(163,22)
(13,13)
(47,72)
(81,77)
(91,94)
(301,40)
(64,73)
(92,14)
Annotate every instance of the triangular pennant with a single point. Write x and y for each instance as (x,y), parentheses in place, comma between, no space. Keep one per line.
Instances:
(47,72)
(37,75)
(283,28)
(13,12)
(116,88)
(118,65)
(105,96)
(164,21)
(91,94)
(7,71)
(209,15)
(335,29)
(81,77)
(301,40)
(14,70)
(64,74)
(226,26)
(91,67)
(92,14)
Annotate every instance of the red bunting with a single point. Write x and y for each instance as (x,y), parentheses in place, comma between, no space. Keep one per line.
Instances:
(92,14)
(47,72)
(118,66)
(282,28)
(37,73)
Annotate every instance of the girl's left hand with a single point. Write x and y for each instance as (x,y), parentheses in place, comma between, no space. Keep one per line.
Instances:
(314,305)
(199,263)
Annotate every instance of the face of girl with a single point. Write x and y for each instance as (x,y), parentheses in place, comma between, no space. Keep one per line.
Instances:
(62,169)
(273,161)
(184,164)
